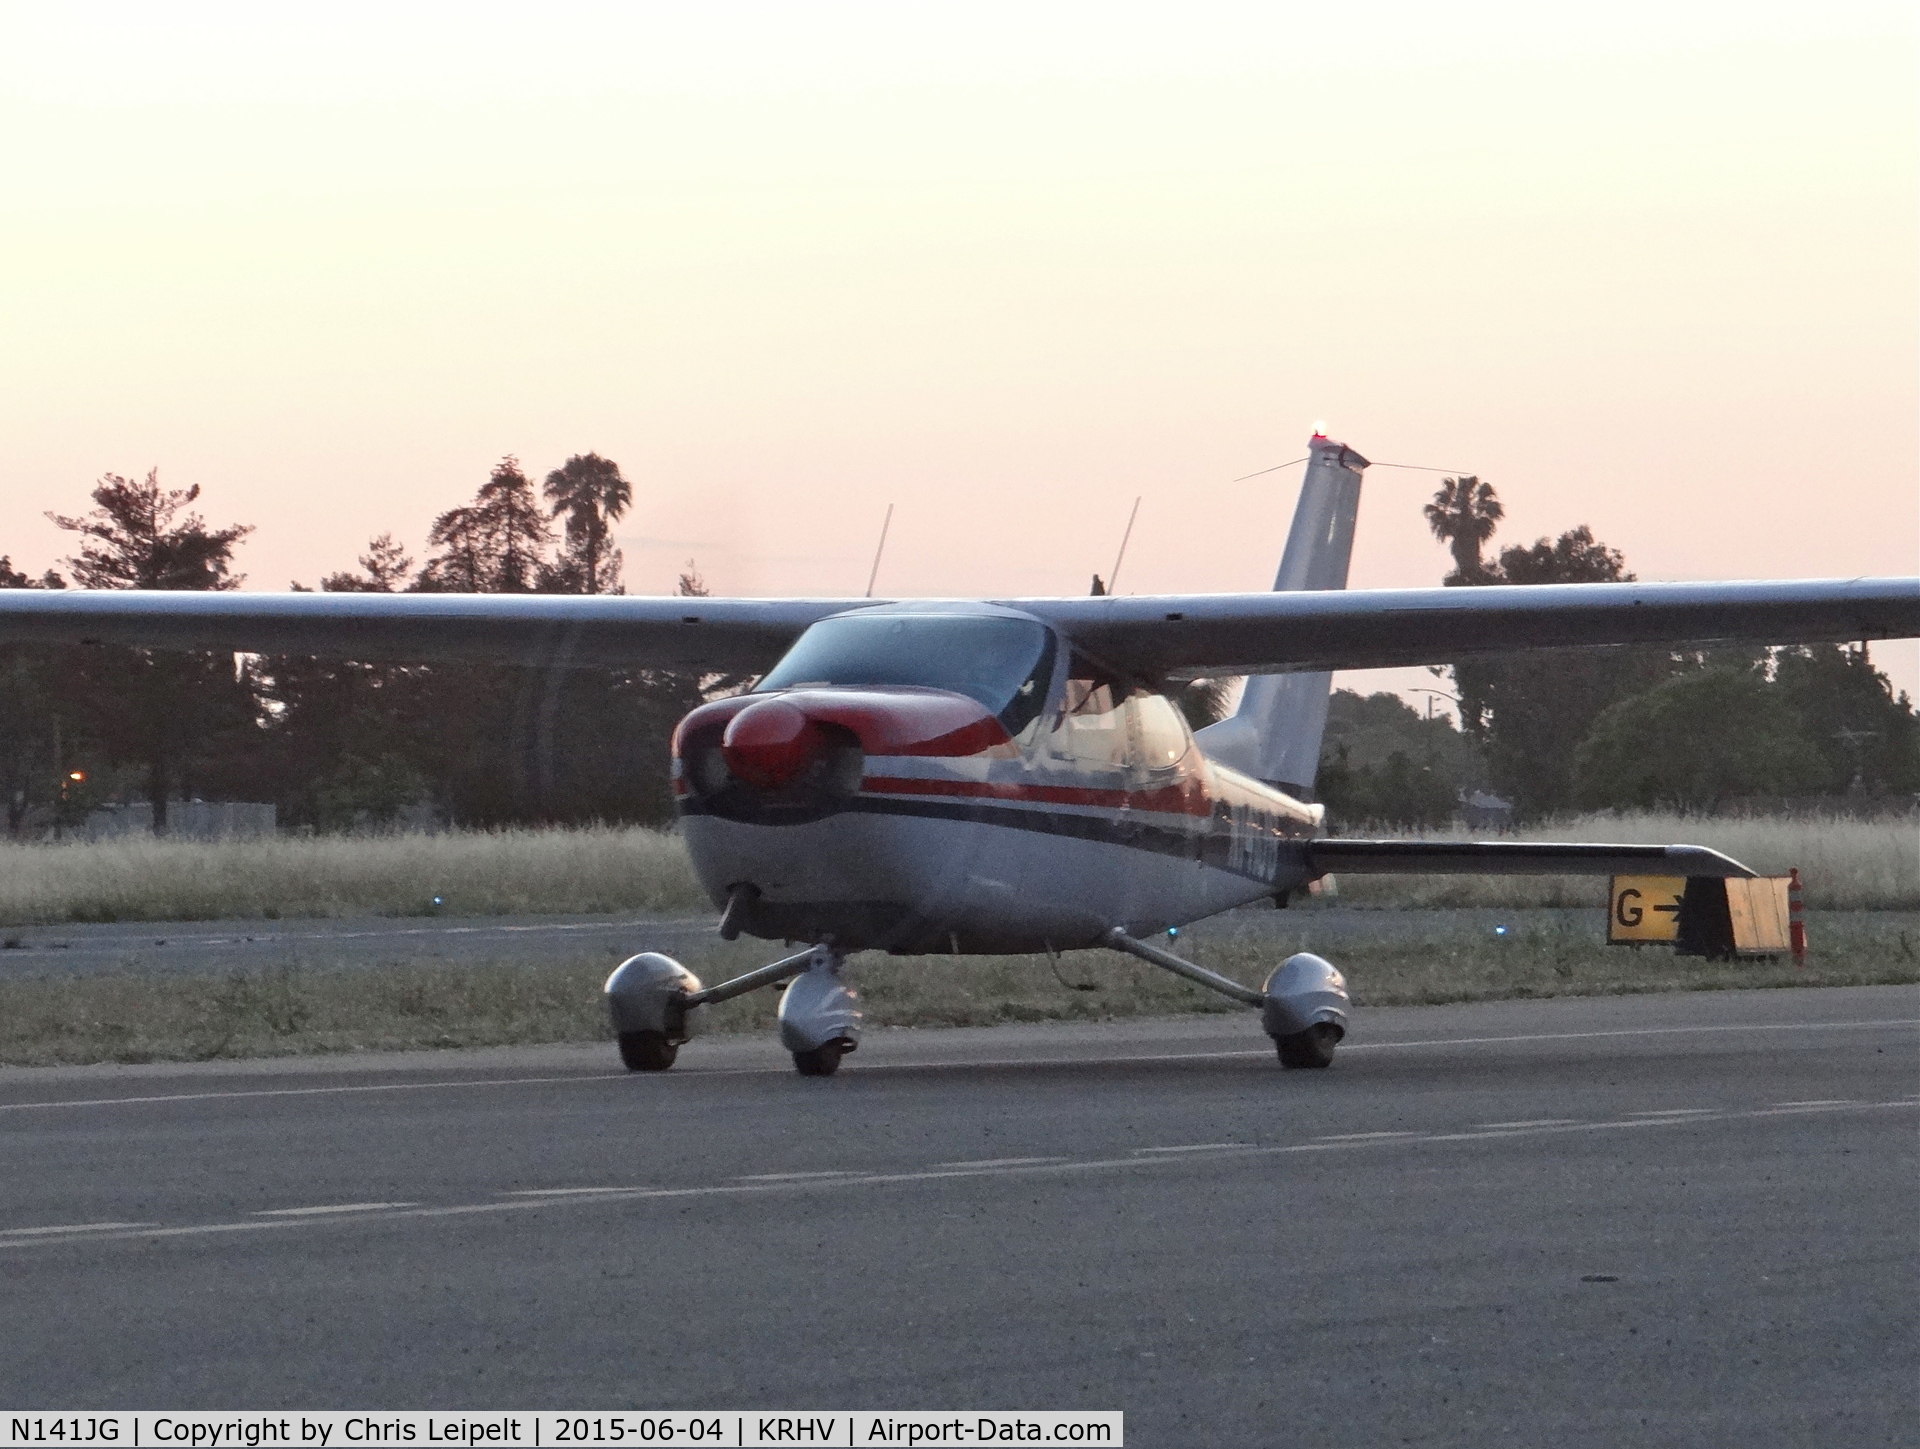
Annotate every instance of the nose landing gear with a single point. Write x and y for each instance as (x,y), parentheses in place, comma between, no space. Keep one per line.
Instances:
(651,999)
(819,1015)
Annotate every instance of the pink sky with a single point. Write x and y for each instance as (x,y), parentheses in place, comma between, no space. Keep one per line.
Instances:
(1007,269)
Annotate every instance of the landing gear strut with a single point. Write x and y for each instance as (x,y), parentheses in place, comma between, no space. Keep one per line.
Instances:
(819,1015)
(1304,1007)
(651,999)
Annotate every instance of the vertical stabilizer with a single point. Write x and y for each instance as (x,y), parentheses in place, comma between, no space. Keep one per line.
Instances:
(1275,733)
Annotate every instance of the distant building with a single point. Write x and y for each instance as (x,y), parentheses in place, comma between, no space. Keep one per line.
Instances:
(186,820)
(1483,811)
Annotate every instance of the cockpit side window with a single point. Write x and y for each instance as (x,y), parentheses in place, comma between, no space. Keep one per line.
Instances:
(1092,727)
(1164,736)
(1109,723)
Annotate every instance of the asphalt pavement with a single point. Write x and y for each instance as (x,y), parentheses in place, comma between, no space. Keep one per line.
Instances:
(1674,1219)
(220,947)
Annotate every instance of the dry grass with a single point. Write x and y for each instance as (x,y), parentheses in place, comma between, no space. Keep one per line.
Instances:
(507,872)
(405,1005)
(1846,864)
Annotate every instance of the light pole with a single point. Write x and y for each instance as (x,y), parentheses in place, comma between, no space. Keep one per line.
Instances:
(1430,693)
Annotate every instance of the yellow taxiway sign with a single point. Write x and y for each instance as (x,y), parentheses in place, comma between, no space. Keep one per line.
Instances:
(1645,908)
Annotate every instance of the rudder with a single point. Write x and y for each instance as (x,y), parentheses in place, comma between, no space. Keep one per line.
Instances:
(1275,733)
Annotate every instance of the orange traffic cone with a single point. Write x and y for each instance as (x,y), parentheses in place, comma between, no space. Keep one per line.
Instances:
(1796,921)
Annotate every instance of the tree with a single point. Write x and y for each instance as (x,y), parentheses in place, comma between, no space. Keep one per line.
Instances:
(589,490)
(140,537)
(1863,740)
(494,545)
(1575,557)
(1696,741)
(490,744)
(174,713)
(383,570)
(1530,711)
(34,722)
(1380,762)
(1463,515)
(1208,701)
(342,734)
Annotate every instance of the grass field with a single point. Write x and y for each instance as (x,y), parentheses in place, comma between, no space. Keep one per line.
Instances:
(403,1004)
(507,872)
(1846,864)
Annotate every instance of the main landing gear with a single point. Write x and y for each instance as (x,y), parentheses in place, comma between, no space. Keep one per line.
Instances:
(651,999)
(1304,1007)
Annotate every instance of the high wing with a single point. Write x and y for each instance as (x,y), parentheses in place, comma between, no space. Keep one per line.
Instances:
(1153,636)
(711,635)
(1222,634)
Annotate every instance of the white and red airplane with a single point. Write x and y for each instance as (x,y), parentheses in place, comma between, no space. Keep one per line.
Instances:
(948,776)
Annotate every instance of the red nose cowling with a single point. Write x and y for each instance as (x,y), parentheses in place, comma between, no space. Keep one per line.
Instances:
(770,743)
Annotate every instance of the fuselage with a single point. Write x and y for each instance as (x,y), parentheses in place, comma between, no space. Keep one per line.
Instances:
(956,778)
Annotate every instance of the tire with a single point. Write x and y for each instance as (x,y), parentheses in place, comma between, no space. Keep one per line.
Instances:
(647,1051)
(1310,1048)
(822,1061)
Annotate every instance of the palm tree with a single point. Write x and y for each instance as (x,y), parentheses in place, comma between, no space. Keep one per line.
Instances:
(589,490)
(1463,515)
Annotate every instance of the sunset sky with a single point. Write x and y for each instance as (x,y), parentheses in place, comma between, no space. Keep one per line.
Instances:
(1646,267)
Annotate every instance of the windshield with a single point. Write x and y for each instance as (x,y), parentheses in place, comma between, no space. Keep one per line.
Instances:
(1003,663)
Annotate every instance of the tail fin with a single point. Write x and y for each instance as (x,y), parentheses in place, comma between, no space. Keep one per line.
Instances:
(1275,733)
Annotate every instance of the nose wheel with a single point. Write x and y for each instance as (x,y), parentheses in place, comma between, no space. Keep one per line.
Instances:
(650,998)
(822,1061)
(1310,1048)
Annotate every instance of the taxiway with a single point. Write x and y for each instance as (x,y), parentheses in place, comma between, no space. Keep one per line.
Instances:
(1647,1220)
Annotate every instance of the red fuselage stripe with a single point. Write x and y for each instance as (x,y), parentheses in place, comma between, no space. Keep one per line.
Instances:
(1172,800)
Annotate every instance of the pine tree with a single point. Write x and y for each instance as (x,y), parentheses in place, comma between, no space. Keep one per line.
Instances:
(494,545)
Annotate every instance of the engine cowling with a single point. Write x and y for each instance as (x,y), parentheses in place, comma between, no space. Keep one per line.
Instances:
(800,754)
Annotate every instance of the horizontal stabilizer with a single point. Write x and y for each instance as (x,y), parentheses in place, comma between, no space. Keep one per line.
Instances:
(1514,857)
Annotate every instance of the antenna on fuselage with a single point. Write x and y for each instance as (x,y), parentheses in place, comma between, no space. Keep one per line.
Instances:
(1113,579)
(885,524)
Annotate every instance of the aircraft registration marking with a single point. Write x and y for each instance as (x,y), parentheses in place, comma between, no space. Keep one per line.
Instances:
(1253,840)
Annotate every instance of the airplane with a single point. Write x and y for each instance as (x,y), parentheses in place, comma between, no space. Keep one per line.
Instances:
(946,776)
